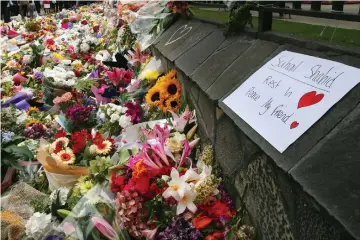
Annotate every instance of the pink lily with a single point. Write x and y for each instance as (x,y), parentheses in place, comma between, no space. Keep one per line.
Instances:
(99,98)
(136,58)
(186,152)
(179,122)
(148,160)
(149,234)
(104,228)
(119,75)
(158,148)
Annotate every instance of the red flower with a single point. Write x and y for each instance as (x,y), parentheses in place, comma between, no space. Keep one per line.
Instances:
(142,184)
(73,56)
(154,190)
(60,133)
(97,139)
(77,73)
(50,41)
(215,236)
(86,57)
(58,147)
(96,28)
(217,209)
(84,22)
(79,140)
(201,221)
(117,183)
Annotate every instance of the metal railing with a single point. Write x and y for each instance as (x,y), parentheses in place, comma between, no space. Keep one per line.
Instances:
(266,8)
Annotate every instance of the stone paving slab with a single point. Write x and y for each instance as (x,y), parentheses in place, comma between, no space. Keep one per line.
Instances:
(203,31)
(176,35)
(212,68)
(330,172)
(195,56)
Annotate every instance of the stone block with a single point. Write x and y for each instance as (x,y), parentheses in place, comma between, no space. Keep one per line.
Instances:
(245,64)
(191,60)
(329,172)
(201,32)
(212,68)
(207,111)
(176,35)
(263,199)
(233,149)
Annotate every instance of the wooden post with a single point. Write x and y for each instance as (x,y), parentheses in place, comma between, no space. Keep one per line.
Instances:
(338,6)
(296,5)
(316,5)
(265,21)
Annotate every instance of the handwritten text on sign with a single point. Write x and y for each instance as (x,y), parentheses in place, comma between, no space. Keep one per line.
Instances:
(289,94)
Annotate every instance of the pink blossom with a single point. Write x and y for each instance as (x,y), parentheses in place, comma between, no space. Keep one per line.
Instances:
(104,228)
(186,152)
(18,78)
(179,122)
(102,89)
(149,234)
(120,76)
(18,88)
(71,49)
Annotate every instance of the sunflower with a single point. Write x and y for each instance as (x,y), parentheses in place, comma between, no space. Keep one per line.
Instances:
(31,122)
(172,104)
(172,87)
(153,96)
(170,75)
(32,110)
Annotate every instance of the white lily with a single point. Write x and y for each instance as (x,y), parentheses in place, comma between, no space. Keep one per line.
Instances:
(177,185)
(191,175)
(187,201)
(205,172)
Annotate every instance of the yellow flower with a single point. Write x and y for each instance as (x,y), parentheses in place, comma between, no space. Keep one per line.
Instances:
(32,110)
(31,122)
(172,87)
(149,75)
(11,218)
(57,57)
(153,96)
(172,104)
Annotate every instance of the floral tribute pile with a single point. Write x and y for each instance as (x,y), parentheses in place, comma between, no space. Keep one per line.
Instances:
(97,141)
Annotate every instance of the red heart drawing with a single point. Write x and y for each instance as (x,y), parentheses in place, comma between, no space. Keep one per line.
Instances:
(294,124)
(309,99)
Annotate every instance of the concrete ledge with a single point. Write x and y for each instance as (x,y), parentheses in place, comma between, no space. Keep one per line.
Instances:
(289,195)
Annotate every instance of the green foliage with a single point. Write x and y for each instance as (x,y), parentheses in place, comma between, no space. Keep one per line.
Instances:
(84,85)
(159,213)
(41,204)
(100,168)
(11,154)
(239,17)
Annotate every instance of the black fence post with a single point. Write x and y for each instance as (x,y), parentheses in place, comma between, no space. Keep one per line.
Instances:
(265,20)
(316,5)
(338,6)
(296,5)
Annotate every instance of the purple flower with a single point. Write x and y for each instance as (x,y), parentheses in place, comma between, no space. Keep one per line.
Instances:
(53,237)
(94,74)
(134,111)
(79,114)
(180,230)
(38,76)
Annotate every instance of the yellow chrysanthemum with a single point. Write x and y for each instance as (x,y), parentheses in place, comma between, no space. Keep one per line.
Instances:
(11,218)
(31,122)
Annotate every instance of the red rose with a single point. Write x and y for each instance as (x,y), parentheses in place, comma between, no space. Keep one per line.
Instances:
(73,56)
(84,22)
(50,41)
(96,28)
(77,73)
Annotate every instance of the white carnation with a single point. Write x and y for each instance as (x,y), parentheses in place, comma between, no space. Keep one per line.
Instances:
(38,225)
(125,121)
(84,47)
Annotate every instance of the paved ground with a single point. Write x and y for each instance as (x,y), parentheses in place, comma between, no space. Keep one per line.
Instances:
(348,8)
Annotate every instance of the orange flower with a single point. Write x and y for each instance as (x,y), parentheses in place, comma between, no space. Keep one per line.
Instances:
(215,236)
(139,168)
(201,221)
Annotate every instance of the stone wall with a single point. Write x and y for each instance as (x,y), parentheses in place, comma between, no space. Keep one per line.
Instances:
(309,191)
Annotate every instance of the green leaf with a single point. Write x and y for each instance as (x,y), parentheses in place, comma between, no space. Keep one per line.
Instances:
(124,156)
(64,213)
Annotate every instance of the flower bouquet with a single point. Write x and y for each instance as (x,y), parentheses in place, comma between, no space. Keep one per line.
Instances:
(68,156)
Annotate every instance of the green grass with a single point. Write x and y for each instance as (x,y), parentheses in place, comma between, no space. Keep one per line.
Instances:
(349,37)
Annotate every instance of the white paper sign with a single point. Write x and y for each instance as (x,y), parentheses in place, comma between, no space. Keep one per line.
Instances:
(289,94)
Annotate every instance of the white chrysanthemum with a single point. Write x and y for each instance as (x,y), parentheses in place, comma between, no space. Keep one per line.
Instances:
(125,121)
(84,47)
(38,225)
(21,118)
(62,193)
(114,117)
